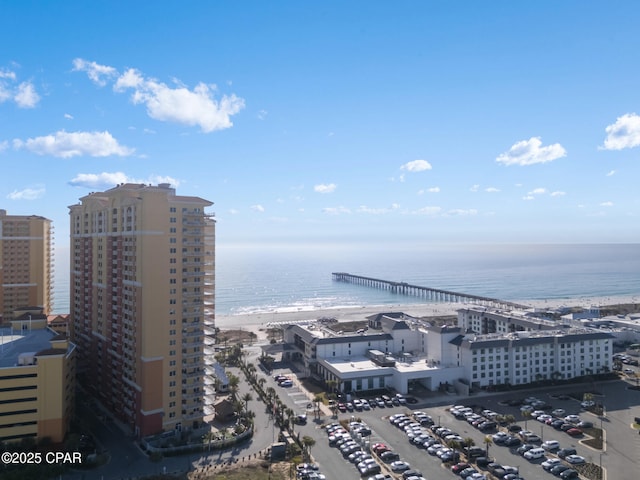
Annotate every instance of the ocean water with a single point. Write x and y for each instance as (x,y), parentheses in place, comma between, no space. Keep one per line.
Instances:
(278,278)
(252,279)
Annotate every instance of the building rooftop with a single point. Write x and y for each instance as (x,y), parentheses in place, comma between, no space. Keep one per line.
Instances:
(15,344)
(363,364)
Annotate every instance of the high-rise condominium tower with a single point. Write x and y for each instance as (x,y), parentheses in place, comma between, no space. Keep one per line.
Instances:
(142,302)
(25,263)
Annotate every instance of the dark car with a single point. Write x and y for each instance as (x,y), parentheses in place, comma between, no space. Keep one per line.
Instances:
(565,452)
(475,452)
(389,457)
(569,473)
(487,426)
(522,449)
(558,469)
(512,441)
(411,473)
(483,461)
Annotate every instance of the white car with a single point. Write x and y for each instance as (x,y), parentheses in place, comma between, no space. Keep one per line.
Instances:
(499,436)
(575,459)
(400,466)
(534,453)
(558,412)
(551,445)
(549,463)
(572,419)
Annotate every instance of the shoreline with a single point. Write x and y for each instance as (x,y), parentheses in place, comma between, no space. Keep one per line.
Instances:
(259,321)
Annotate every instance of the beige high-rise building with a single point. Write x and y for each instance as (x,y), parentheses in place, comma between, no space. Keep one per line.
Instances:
(142,303)
(25,263)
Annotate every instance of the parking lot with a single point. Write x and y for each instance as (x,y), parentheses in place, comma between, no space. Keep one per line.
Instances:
(619,456)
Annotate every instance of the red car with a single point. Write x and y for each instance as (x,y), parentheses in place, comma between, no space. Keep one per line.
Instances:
(574,432)
(458,467)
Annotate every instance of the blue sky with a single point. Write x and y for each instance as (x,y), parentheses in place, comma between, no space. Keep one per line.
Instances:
(434,121)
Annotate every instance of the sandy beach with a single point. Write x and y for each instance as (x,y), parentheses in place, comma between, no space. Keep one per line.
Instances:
(258,322)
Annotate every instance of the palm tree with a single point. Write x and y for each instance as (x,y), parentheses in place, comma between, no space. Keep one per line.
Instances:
(331,385)
(318,400)
(307,443)
(251,370)
(487,442)
(234,383)
(526,415)
(469,442)
(261,381)
(290,414)
(246,398)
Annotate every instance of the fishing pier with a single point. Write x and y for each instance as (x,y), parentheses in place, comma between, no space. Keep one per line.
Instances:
(428,293)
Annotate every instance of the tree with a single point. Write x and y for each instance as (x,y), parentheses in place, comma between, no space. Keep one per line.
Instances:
(290,414)
(246,398)
(487,443)
(526,415)
(261,381)
(509,419)
(307,443)
(469,442)
(234,383)
(318,400)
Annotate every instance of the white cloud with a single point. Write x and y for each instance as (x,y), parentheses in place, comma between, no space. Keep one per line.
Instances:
(558,193)
(178,105)
(325,188)
(3,146)
(528,197)
(606,204)
(110,179)
(625,133)
(73,144)
(611,173)
(458,212)
(474,188)
(257,208)
(181,105)
(335,210)
(433,190)
(233,211)
(262,114)
(530,152)
(428,211)
(372,211)
(26,95)
(416,166)
(99,74)
(27,194)
(7,74)
(68,116)
(538,191)
(491,190)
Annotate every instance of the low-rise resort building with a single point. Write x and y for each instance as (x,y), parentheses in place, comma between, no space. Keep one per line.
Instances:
(487,347)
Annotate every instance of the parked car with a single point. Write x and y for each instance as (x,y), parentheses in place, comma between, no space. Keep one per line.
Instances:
(565,452)
(558,469)
(574,432)
(389,456)
(534,453)
(399,466)
(483,461)
(569,474)
(551,445)
(549,463)
(575,459)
